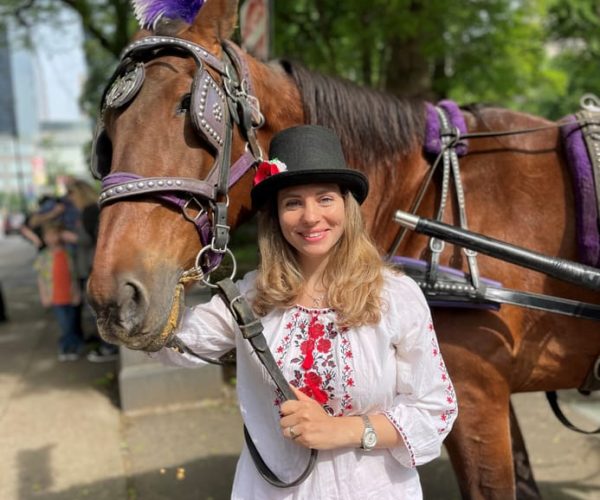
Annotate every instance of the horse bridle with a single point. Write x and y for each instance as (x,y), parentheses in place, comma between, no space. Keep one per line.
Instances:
(214,109)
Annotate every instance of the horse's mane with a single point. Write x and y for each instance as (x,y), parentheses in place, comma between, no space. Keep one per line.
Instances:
(374,127)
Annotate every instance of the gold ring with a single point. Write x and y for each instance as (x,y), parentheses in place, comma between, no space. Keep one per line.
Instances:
(293,435)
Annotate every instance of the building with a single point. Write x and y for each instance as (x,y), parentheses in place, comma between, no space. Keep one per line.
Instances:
(18,117)
(32,153)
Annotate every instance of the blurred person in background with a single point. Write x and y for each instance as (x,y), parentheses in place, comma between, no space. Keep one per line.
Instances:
(47,210)
(59,289)
(84,198)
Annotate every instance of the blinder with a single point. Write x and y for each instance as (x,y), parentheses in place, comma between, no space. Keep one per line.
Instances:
(214,108)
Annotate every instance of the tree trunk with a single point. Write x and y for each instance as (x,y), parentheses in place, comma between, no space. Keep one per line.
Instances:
(408,73)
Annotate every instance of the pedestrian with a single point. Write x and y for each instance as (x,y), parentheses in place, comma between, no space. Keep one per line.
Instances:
(353,337)
(48,209)
(59,289)
(84,198)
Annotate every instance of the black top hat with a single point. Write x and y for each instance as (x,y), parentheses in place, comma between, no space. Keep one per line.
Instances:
(306,154)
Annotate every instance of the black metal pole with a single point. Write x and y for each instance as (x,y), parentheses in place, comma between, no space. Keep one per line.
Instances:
(561,269)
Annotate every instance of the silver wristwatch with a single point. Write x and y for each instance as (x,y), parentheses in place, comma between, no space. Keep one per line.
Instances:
(369,437)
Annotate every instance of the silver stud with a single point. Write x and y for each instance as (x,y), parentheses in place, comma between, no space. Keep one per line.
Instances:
(109,192)
(178,183)
(169,183)
(150,183)
(119,189)
(130,186)
(161,183)
(140,184)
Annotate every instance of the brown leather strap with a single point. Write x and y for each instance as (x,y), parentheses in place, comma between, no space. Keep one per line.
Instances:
(252,330)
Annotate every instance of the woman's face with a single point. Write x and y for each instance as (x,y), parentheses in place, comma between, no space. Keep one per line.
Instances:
(312,219)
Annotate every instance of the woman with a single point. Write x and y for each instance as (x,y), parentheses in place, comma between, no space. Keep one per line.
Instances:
(353,338)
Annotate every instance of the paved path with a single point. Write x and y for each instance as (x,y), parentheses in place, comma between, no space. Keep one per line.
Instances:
(63,436)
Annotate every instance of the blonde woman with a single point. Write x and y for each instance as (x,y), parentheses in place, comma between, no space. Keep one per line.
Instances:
(353,338)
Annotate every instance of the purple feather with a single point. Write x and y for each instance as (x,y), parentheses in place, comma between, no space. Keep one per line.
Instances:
(150,12)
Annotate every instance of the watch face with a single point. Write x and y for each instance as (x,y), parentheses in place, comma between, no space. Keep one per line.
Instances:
(370,439)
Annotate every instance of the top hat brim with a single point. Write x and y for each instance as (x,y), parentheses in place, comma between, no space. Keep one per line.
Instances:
(353,180)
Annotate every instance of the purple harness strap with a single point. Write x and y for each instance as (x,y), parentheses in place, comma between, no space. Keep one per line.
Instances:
(588,236)
(432,146)
(173,191)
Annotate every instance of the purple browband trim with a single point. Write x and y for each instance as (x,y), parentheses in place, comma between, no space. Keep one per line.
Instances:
(169,195)
(588,236)
(432,146)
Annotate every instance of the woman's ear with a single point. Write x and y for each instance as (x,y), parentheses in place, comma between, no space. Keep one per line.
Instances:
(215,22)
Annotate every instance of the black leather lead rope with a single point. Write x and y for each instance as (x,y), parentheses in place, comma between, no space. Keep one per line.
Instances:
(552,398)
(252,330)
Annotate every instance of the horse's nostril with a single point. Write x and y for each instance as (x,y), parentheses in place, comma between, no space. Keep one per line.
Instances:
(133,304)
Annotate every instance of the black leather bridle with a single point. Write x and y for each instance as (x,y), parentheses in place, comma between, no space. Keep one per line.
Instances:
(214,109)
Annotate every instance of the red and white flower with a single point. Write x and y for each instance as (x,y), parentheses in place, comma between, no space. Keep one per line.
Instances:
(266,169)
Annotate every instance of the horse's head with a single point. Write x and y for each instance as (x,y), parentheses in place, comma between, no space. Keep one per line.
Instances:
(175,149)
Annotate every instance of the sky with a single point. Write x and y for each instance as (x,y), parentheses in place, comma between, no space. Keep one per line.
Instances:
(60,68)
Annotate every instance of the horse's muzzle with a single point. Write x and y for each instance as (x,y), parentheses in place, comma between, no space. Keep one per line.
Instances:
(126,317)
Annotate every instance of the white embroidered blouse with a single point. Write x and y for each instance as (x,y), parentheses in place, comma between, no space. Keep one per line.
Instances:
(394,368)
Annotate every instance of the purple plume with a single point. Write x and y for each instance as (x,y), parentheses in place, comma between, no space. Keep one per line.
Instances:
(150,12)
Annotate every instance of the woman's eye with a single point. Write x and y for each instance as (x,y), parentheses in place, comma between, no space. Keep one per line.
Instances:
(184,104)
(291,203)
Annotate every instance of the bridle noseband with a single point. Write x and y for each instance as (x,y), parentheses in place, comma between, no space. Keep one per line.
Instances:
(214,110)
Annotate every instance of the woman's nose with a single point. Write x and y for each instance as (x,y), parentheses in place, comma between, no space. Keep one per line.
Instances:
(311,213)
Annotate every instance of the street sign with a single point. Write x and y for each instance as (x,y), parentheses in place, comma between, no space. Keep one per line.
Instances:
(255,27)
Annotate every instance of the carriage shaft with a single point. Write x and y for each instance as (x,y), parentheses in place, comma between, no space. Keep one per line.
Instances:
(562,269)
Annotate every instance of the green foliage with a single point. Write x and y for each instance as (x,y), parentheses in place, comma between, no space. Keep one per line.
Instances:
(535,55)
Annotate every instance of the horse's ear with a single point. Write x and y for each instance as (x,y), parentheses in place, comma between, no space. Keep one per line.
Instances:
(215,21)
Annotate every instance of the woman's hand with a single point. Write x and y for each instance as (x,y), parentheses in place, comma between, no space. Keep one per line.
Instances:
(308,424)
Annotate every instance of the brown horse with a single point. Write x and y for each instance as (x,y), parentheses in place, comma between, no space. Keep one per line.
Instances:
(517,189)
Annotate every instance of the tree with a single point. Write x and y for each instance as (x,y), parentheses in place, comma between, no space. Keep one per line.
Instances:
(477,50)
(531,55)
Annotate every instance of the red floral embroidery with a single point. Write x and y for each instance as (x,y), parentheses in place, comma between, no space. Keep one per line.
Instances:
(450,396)
(312,350)
(323,345)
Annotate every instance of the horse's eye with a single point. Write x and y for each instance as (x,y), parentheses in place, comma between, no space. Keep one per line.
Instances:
(184,104)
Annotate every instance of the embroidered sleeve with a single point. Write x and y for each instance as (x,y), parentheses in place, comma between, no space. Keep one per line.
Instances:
(424,408)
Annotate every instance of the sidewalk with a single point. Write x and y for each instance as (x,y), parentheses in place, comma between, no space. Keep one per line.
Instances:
(63,435)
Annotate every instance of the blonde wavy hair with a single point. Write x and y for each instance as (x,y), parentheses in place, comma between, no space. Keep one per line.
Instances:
(353,276)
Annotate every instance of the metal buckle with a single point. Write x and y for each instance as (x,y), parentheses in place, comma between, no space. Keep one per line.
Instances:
(206,275)
(186,205)
(436,246)
(233,311)
(212,243)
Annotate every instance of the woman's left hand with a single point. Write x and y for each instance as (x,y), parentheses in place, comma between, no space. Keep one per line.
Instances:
(308,424)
